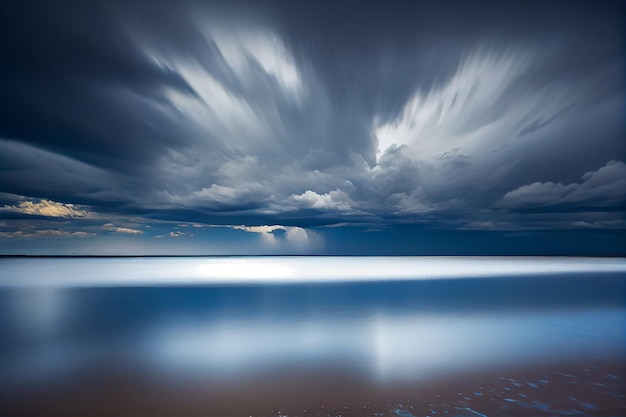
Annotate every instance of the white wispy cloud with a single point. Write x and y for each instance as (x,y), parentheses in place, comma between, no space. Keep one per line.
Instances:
(461,113)
(110,227)
(491,102)
(44,233)
(247,46)
(240,112)
(175,233)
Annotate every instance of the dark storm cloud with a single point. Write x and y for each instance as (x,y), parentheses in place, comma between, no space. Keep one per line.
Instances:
(604,188)
(304,114)
(74,82)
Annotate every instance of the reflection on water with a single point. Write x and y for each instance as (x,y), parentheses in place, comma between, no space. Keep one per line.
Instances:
(386,346)
(306,339)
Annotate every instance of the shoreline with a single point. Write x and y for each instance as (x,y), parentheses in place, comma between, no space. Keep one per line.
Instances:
(597,388)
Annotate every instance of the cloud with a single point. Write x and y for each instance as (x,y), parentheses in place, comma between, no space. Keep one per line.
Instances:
(268,115)
(463,111)
(110,227)
(243,85)
(495,100)
(49,209)
(258,229)
(251,48)
(333,200)
(293,239)
(44,233)
(268,237)
(604,188)
(224,196)
(176,233)
(29,170)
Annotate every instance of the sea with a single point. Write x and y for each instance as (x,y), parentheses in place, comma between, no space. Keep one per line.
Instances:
(312,336)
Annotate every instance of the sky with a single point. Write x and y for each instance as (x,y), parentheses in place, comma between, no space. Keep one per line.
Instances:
(312,127)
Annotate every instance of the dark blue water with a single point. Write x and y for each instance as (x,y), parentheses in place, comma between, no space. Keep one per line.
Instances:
(65,332)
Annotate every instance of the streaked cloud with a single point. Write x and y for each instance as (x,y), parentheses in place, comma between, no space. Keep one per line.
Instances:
(250,47)
(110,227)
(281,122)
(176,233)
(465,112)
(43,233)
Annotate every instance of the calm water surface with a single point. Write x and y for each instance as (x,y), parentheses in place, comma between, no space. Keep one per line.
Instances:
(305,336)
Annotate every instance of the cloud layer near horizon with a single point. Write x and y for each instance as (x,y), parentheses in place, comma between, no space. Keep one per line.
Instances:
(260,114)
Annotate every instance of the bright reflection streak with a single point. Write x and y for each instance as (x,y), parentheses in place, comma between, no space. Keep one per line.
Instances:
(423,345)
(40,310)
(231,347)
(41,272)
(246,270)
(382,346)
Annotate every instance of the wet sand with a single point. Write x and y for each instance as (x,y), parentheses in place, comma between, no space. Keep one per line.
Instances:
(579,389)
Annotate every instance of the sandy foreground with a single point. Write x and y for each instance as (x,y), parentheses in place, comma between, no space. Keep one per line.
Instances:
(574,389)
